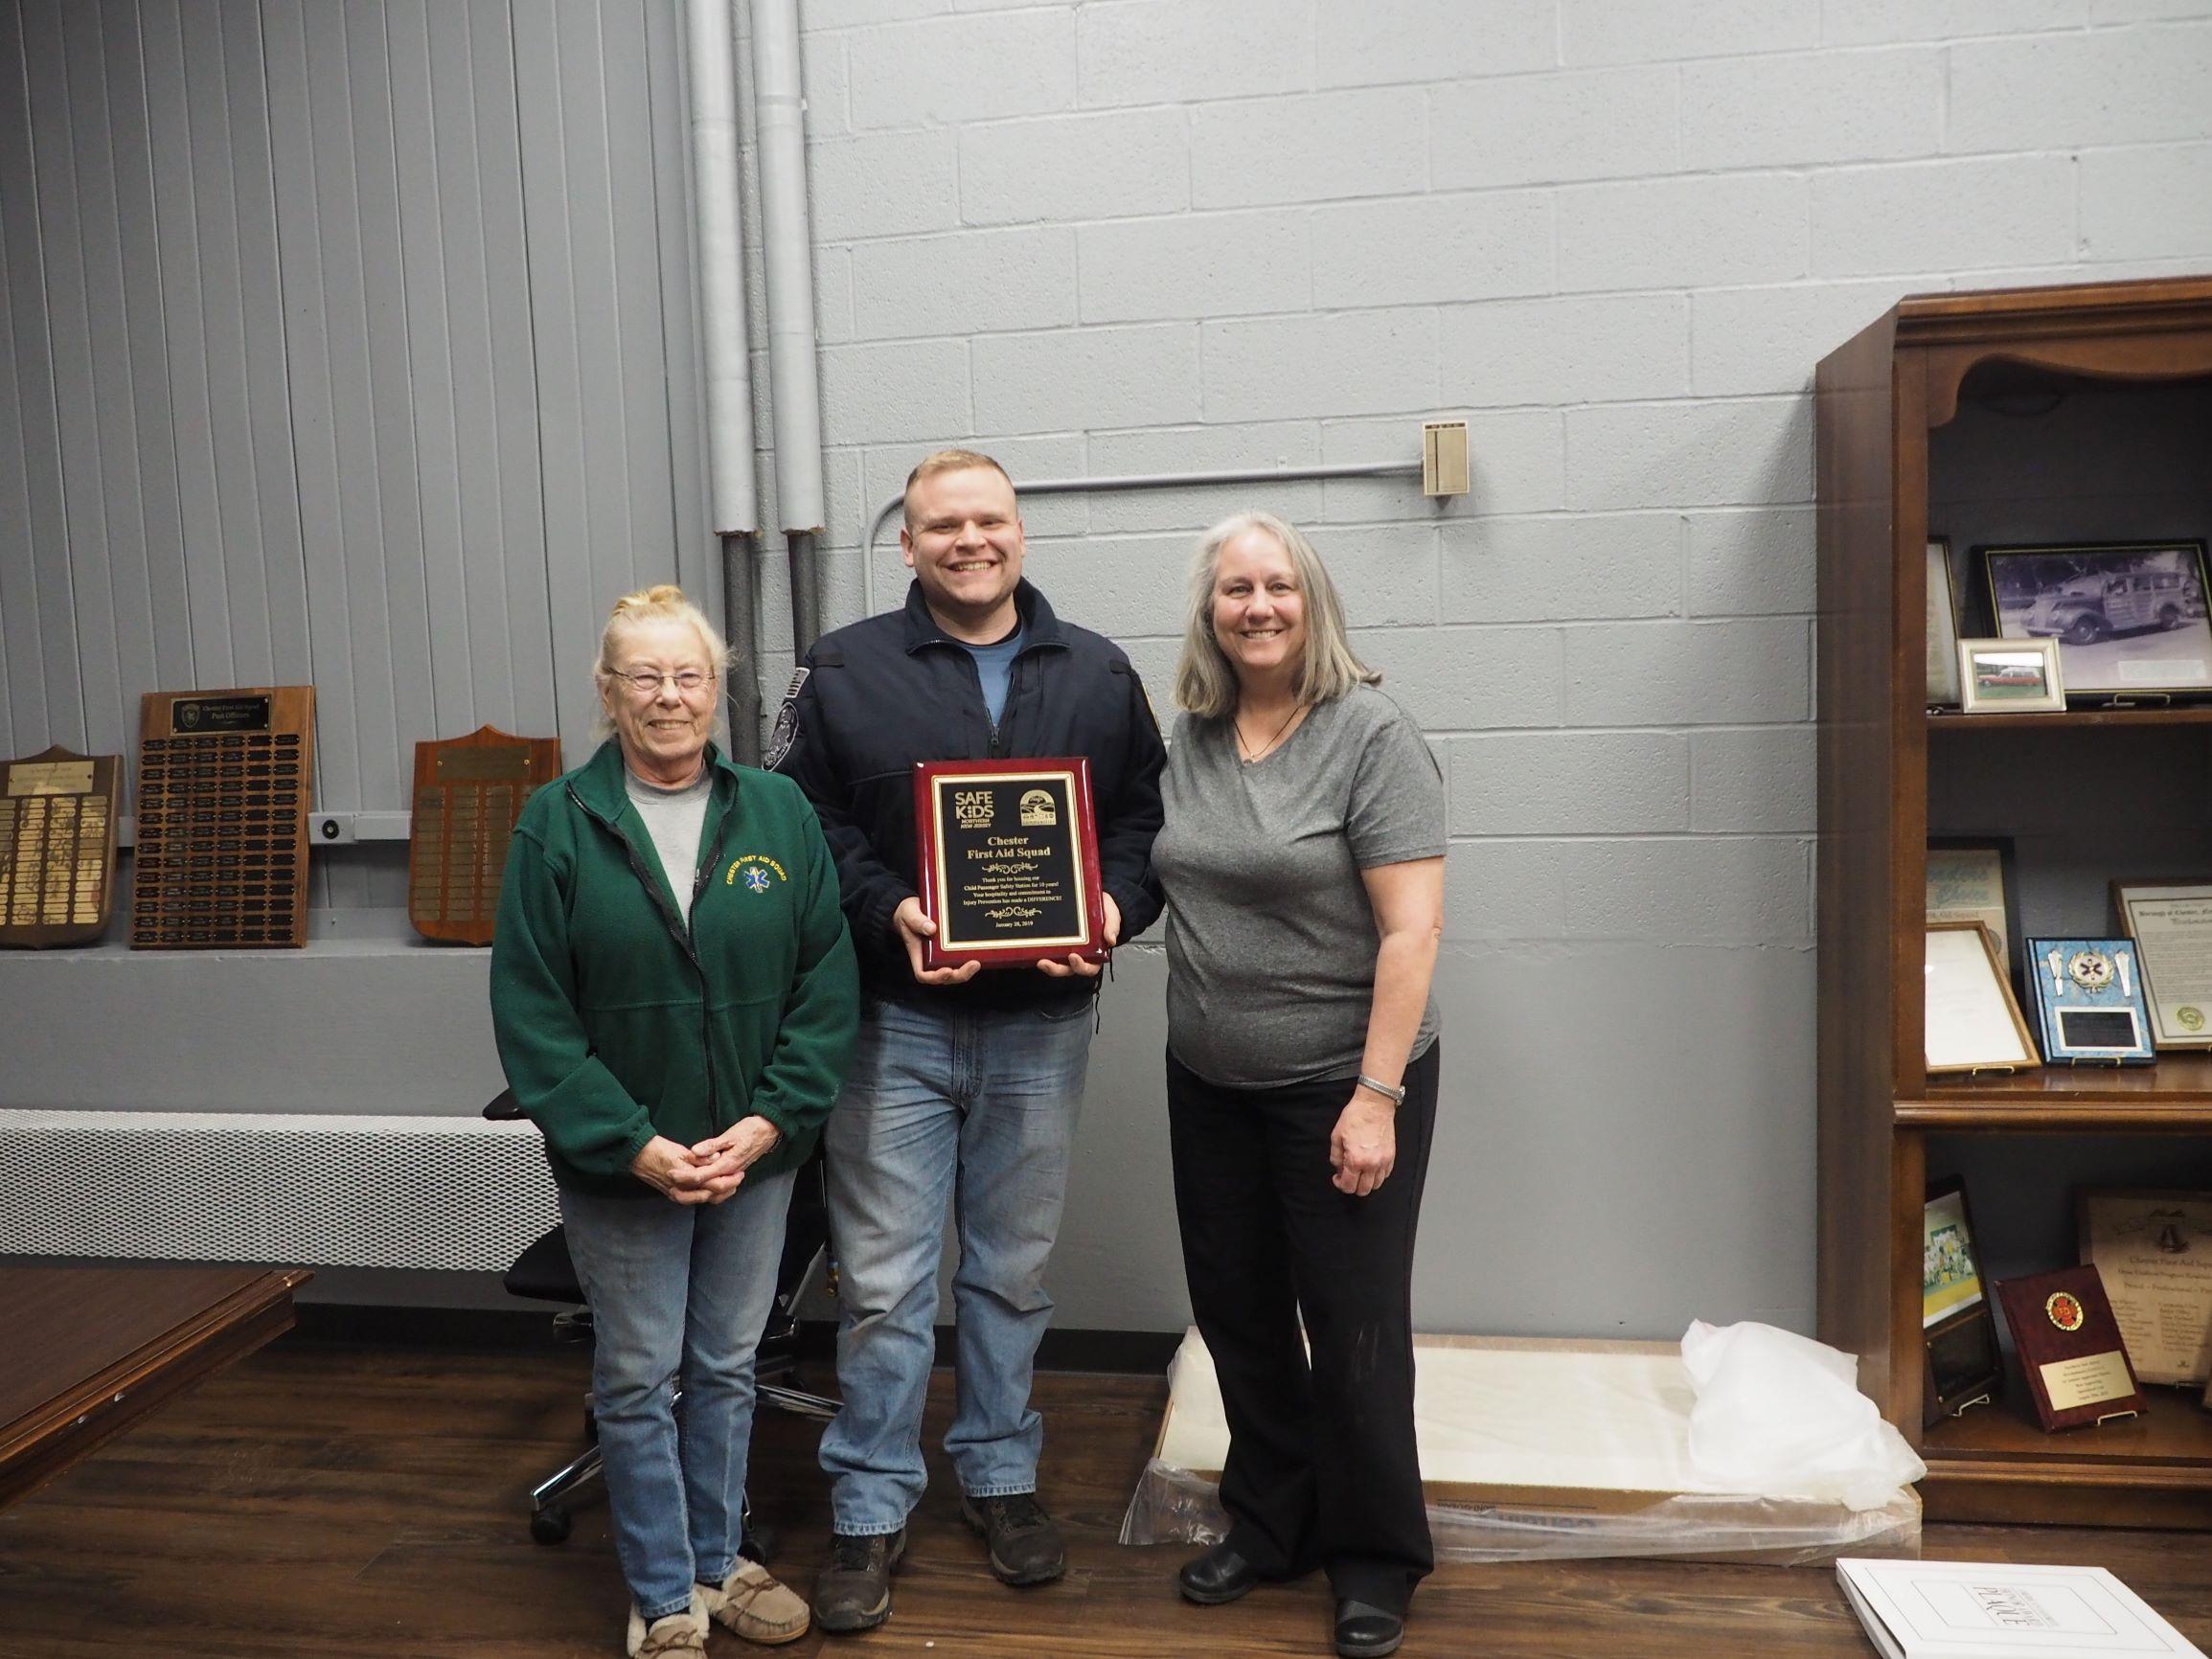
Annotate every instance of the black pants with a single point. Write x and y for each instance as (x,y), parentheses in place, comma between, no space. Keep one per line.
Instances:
(1322,1470)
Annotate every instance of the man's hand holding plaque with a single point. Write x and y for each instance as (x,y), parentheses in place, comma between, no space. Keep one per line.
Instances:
(1009,870)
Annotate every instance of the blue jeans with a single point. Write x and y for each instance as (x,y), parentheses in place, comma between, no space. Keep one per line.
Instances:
(676,1290)
(975,1108)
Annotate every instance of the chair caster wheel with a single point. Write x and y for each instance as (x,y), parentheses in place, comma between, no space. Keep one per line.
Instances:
(550,1526)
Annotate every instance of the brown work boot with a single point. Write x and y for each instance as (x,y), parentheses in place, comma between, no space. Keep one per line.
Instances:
(676,1636)
(854,1592)
(1025,1547)
(751,1604)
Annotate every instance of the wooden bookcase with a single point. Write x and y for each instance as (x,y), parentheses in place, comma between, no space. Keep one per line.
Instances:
(2024,417)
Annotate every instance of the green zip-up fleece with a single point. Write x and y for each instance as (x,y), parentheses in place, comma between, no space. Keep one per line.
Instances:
(617,1022)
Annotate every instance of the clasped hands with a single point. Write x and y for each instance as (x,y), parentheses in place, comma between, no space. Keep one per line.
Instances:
(913,928)
(709,1172)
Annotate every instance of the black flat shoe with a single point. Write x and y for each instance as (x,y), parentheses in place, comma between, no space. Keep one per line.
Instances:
(1364,1632)
(1219,1575)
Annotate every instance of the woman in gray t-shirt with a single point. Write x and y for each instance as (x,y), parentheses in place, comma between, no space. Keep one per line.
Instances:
(1303,858)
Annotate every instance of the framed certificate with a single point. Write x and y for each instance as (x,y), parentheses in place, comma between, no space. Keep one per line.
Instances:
(1958,1332)
(2171,922)
(1008,855)
(1972,1022)
(1970,878)
(2153,1251)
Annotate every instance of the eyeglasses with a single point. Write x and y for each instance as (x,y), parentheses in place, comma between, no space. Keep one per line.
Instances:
(648,682)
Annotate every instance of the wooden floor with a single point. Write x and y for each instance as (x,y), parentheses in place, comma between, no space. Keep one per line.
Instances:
(355,1502)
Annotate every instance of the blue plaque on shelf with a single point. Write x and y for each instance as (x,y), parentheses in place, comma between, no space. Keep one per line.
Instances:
(2089,1001)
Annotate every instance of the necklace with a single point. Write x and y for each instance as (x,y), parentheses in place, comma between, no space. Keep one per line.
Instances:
(1251,754)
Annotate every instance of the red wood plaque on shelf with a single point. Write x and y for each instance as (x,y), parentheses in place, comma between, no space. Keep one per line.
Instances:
(56,848)
(2069,1345)
(1008,856)
(468,792)
(223,781)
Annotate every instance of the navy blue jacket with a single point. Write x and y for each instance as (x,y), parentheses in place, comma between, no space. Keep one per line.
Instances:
(871,699)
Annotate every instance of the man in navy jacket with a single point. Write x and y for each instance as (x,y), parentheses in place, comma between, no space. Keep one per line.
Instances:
(965,1081)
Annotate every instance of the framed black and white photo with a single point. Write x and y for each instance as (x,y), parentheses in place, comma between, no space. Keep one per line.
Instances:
(2129,617)
(2012,677)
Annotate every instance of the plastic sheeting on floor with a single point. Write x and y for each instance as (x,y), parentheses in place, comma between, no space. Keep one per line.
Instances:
(1535,1450)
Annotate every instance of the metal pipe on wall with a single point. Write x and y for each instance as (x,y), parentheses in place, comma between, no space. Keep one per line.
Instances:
(1301,474)
(729,372)
(787,259)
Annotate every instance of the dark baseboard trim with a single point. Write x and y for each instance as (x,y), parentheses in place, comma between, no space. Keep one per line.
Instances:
(1135,1352)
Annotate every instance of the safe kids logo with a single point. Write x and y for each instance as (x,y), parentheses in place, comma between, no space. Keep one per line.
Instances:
(756,869)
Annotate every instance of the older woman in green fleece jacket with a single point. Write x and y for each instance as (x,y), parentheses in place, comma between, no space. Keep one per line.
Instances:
(675,1001)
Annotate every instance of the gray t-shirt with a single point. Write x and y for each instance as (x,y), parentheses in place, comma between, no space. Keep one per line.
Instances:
(674,819)
(1272,940)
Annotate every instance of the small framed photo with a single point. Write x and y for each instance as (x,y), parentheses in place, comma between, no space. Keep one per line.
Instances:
(1958,1334)
(1971,1023)
(2089,1003)
(1941,627)
(2130,616)
(2010,676)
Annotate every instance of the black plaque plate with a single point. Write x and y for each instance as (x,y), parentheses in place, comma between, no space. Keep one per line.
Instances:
(56,848)
(223,782)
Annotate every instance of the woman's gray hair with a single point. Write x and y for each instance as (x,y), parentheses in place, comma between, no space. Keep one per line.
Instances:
(1206,685)
(664,602)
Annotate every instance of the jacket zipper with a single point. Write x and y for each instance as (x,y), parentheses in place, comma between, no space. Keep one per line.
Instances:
(682,933)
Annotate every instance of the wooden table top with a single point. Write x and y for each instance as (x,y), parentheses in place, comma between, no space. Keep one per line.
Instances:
(91,1349)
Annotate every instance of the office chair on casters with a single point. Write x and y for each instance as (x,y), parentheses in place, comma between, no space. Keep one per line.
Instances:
(545,1272)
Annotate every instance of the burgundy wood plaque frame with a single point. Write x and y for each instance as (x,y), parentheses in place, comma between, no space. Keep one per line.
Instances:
(2063,1328)
(1009,861)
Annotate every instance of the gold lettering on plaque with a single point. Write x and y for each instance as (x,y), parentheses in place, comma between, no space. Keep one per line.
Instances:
(50,778)
(2088,1380)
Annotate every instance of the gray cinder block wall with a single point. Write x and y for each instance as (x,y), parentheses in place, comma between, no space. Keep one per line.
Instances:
(1125,236)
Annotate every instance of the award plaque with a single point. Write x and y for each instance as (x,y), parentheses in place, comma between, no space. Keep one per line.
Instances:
(2070,1348)
(2171,922)
(2089,1003)
(222,832)
(2152,1250)
(56,848)
(468,792)
(1958,1332)
(1008,855)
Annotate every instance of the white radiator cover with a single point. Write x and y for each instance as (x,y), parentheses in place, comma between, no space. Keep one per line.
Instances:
(457,1193)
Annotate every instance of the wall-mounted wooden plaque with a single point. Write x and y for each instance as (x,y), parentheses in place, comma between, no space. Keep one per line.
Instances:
(468,792)
(223,781)
(56,848)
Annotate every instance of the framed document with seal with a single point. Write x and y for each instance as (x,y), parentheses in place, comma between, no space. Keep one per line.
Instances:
(1972,1022)
(2070,1348)
(1008,856)
(2171,922)
(2153,1251)
(2089,999)
(1958,1333)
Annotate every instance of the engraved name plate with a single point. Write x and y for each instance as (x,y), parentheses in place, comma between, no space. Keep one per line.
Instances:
(56,848)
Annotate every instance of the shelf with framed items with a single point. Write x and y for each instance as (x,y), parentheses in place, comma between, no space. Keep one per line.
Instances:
(2040,451)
